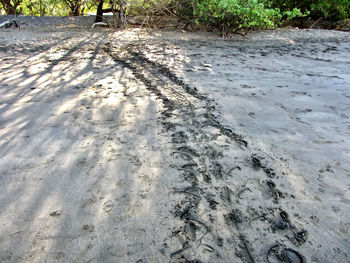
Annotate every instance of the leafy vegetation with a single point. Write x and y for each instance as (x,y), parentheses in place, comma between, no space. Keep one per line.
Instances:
(237,14)
(47,7)
(333,9)
(223,14)
(10,6)
(43,8)
(339,9)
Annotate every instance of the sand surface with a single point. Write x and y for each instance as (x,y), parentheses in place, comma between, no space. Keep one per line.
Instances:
(155,146)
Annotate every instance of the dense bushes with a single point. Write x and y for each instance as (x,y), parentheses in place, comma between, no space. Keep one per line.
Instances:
(236,14)
(223,14)
(339,9)
(331,9)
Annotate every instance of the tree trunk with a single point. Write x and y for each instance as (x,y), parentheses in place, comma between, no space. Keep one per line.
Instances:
(75,8)
(99,12)
(41,7)
(122,16)
(114,14)
(10,10)
(76,12)
(10,7)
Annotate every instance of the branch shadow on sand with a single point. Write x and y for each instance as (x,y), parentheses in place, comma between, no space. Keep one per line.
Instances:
(71,156)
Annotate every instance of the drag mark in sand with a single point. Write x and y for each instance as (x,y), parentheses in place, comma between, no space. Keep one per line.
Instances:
(228,210)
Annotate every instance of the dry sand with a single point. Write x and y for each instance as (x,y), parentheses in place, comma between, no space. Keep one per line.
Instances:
(154,146)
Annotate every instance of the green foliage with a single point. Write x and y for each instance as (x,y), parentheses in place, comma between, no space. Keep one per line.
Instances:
(49,8)
(224,14)
(236,14)
(10,6)
(333,9)
(336,9)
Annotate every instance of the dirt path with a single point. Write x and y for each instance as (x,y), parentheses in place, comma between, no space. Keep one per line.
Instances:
(123,147)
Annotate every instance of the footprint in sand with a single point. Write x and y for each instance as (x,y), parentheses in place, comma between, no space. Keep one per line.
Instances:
(56,213)
(107,206)
(88,228)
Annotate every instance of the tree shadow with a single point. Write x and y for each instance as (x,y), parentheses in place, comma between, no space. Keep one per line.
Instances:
(69,156)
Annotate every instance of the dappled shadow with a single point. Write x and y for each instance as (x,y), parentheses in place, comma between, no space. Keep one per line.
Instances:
(115,153)
(71,141)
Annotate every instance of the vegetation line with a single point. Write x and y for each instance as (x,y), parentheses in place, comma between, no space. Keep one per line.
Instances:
(228,16)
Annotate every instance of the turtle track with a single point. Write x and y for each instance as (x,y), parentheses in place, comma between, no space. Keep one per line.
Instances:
(220,220)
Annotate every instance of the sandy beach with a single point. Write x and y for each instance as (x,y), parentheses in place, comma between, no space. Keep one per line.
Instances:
(143,145)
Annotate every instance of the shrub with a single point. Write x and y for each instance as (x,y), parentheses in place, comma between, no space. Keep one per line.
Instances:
(237,14)
(332,9)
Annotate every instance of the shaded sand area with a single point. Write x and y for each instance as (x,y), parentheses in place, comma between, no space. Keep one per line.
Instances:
(151,146)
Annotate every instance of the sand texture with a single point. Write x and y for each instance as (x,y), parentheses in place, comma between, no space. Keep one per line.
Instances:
(164,146)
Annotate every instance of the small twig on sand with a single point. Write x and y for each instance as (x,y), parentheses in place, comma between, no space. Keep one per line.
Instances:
(16,233)
(316,22)
(236,167)
(242,191)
